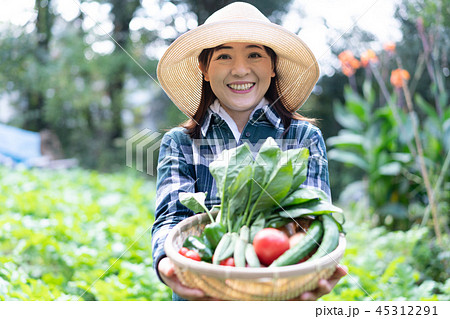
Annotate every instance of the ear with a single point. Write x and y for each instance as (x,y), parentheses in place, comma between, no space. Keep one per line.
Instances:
(204,71)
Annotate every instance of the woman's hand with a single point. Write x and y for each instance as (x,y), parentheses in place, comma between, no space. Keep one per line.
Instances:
(325,285)
(167,272)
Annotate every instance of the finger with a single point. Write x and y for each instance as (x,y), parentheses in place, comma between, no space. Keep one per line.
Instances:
(188,293)
(167,272)
(166,267)
(340,272)
(324,286)
(342,269)
(308,296)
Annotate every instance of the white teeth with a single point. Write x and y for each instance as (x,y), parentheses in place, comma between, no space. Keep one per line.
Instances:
(241,87)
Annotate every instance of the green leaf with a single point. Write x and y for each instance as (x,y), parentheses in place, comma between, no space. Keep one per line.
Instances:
(229,163)
(225,170)
(194,201)
(347,139)
(312,208)
(266,160)
(299,159)
(303,195)
(346,119)
(390,169)
(238,193)
(275,189)
(348,158)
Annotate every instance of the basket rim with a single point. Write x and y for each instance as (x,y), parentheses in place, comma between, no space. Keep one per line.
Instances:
(221,272)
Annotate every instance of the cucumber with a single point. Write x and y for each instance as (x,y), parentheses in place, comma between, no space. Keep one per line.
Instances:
(294,254)
(251,257)
(225,248)
(221,248)
(239,249)
(330,238)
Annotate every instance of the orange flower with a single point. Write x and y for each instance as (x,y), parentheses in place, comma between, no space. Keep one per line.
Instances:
(348,62)
(389,47)
(398,76)
(368,57)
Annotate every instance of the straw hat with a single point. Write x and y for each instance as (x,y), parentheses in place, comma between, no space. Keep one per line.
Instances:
(181,78)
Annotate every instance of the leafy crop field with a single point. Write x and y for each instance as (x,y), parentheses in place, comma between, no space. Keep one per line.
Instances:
(76,235)
(82,235)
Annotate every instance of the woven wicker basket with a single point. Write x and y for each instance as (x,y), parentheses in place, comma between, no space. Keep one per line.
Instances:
(236,283)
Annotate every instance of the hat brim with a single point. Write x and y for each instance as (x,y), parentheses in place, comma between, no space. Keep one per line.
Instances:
(181,78)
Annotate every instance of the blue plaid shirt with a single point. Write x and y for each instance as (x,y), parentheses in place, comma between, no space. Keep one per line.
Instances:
(184,163)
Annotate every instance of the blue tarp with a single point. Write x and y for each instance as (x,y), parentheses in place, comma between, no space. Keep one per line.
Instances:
(18,144)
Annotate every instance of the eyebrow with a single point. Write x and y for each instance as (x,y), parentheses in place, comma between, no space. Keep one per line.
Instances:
(250,46)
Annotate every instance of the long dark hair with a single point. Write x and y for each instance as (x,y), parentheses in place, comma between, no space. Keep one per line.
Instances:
(193,125)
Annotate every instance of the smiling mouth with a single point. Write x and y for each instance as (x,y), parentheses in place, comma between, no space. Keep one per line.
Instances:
(241,87)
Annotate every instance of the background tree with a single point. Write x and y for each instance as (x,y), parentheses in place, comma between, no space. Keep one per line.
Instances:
(121,13)
(35,98)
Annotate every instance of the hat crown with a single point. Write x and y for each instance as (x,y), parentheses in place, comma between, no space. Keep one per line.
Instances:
(237,10)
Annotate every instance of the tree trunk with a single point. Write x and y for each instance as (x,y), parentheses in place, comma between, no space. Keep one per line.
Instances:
(122,13)
(34,115)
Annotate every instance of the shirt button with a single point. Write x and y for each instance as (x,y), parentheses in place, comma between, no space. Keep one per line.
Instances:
(247,134)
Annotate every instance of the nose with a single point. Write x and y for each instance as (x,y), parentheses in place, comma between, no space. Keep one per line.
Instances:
(240,67)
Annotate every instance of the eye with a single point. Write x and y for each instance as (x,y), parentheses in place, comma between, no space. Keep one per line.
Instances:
(223,57)
(254,55)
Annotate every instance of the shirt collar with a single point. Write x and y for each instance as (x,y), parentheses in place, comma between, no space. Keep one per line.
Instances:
(263,109)
(270,114)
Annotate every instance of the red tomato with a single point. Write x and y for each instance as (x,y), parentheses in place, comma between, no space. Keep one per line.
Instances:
(269,244)
(192,254)
(296,238)
(228,262)
(183,251)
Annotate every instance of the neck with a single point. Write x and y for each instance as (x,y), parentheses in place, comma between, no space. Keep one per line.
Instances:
(239,117)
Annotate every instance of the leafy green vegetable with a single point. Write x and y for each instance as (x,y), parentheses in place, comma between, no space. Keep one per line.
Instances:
(309,208)
(194,201)
(299,159)
(302,195)
(228,171)
(271,181)
(263,190)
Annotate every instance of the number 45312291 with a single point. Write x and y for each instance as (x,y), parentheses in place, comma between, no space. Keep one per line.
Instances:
(407,310)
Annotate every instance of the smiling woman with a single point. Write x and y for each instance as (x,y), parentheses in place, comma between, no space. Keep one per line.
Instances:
(239,75)
(240,79)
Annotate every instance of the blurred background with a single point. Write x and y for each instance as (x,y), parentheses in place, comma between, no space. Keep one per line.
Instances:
(78,80)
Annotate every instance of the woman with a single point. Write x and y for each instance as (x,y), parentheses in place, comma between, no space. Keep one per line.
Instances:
(239,78)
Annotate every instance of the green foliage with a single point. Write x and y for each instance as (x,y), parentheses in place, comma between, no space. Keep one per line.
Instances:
(385,265)
(369,141)
(71,234)
(68,234)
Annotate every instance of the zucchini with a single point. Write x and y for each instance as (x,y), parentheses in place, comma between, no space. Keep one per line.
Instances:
(330,238)
(294,254)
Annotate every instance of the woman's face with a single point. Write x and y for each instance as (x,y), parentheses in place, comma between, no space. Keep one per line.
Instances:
(239,75)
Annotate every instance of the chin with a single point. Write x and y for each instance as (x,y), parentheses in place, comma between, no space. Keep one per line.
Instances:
(244,106)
